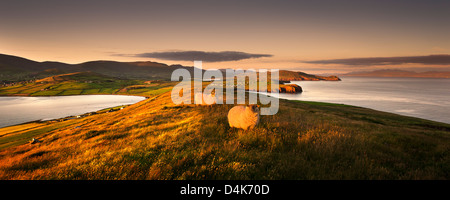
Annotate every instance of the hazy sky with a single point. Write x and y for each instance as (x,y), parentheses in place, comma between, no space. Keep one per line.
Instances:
(311,36)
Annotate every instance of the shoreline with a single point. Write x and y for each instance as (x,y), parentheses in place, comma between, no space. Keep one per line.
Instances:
(344,104)
(300,130)
(69,117)
(146,97)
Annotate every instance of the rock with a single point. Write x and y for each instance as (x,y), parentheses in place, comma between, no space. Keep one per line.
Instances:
(290,88)
(283,82)
(33,141)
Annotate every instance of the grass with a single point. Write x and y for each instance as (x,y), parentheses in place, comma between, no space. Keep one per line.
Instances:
(70,92)
(21,137)
(323,103)
(155,139)
(108,90)
(85,83)
(91,91)
(46,93)
(14,129)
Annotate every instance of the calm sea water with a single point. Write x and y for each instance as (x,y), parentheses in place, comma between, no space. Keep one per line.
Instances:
(16,110)
(418,97)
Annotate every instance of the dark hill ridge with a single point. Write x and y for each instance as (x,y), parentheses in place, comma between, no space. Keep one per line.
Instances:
(133,70)
(13,68)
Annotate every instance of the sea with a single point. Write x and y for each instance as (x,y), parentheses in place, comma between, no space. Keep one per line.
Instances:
(17,110)
(426,98)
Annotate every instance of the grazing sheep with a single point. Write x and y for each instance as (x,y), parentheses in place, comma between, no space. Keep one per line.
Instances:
(210,98)
(33,141)
(206,98)
(245,117)
(198,97)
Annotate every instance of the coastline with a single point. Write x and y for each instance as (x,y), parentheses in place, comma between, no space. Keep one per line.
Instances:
(164,90)
(68,117)
(265,93)
(416,97)
(352,142)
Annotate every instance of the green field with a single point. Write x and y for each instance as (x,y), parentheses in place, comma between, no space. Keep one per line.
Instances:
(21,137)
(85,84)
(46,93)
(91,91)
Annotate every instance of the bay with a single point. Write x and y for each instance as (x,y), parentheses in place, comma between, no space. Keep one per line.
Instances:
(17,110)
(425,98)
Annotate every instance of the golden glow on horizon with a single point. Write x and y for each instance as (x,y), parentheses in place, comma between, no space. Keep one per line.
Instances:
(319,32)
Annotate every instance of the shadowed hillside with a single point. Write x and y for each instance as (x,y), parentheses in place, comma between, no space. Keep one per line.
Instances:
(13,68)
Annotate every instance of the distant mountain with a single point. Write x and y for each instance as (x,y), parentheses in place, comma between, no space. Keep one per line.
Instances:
(13,68)
(400,73)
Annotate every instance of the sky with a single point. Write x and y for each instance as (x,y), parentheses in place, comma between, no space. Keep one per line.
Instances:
(320,36)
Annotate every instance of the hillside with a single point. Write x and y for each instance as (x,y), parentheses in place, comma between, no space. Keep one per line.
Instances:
(155,139)
(285,75)
(400,73)
(76,76)
(13,68)
(82,83)
(130,70)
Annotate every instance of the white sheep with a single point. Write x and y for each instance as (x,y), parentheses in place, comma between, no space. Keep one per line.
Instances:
(245,117)
(208,99)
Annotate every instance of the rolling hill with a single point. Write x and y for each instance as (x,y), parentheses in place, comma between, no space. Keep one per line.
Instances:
(13,68)
(83,83)
(400,73)
(286,75)
(155,139)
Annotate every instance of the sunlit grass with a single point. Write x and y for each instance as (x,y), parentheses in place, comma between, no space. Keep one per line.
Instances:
(18,128)
(70,92)
(46,93)
(155,139)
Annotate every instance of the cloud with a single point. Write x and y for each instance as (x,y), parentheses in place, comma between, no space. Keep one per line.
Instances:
(199,55)
(443,59)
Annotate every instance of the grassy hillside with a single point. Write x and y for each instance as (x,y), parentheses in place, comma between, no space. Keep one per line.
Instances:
(81,83)
(155,139)
(286,75)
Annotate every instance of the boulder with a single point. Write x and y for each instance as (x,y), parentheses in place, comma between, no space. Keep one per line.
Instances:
(290,88)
